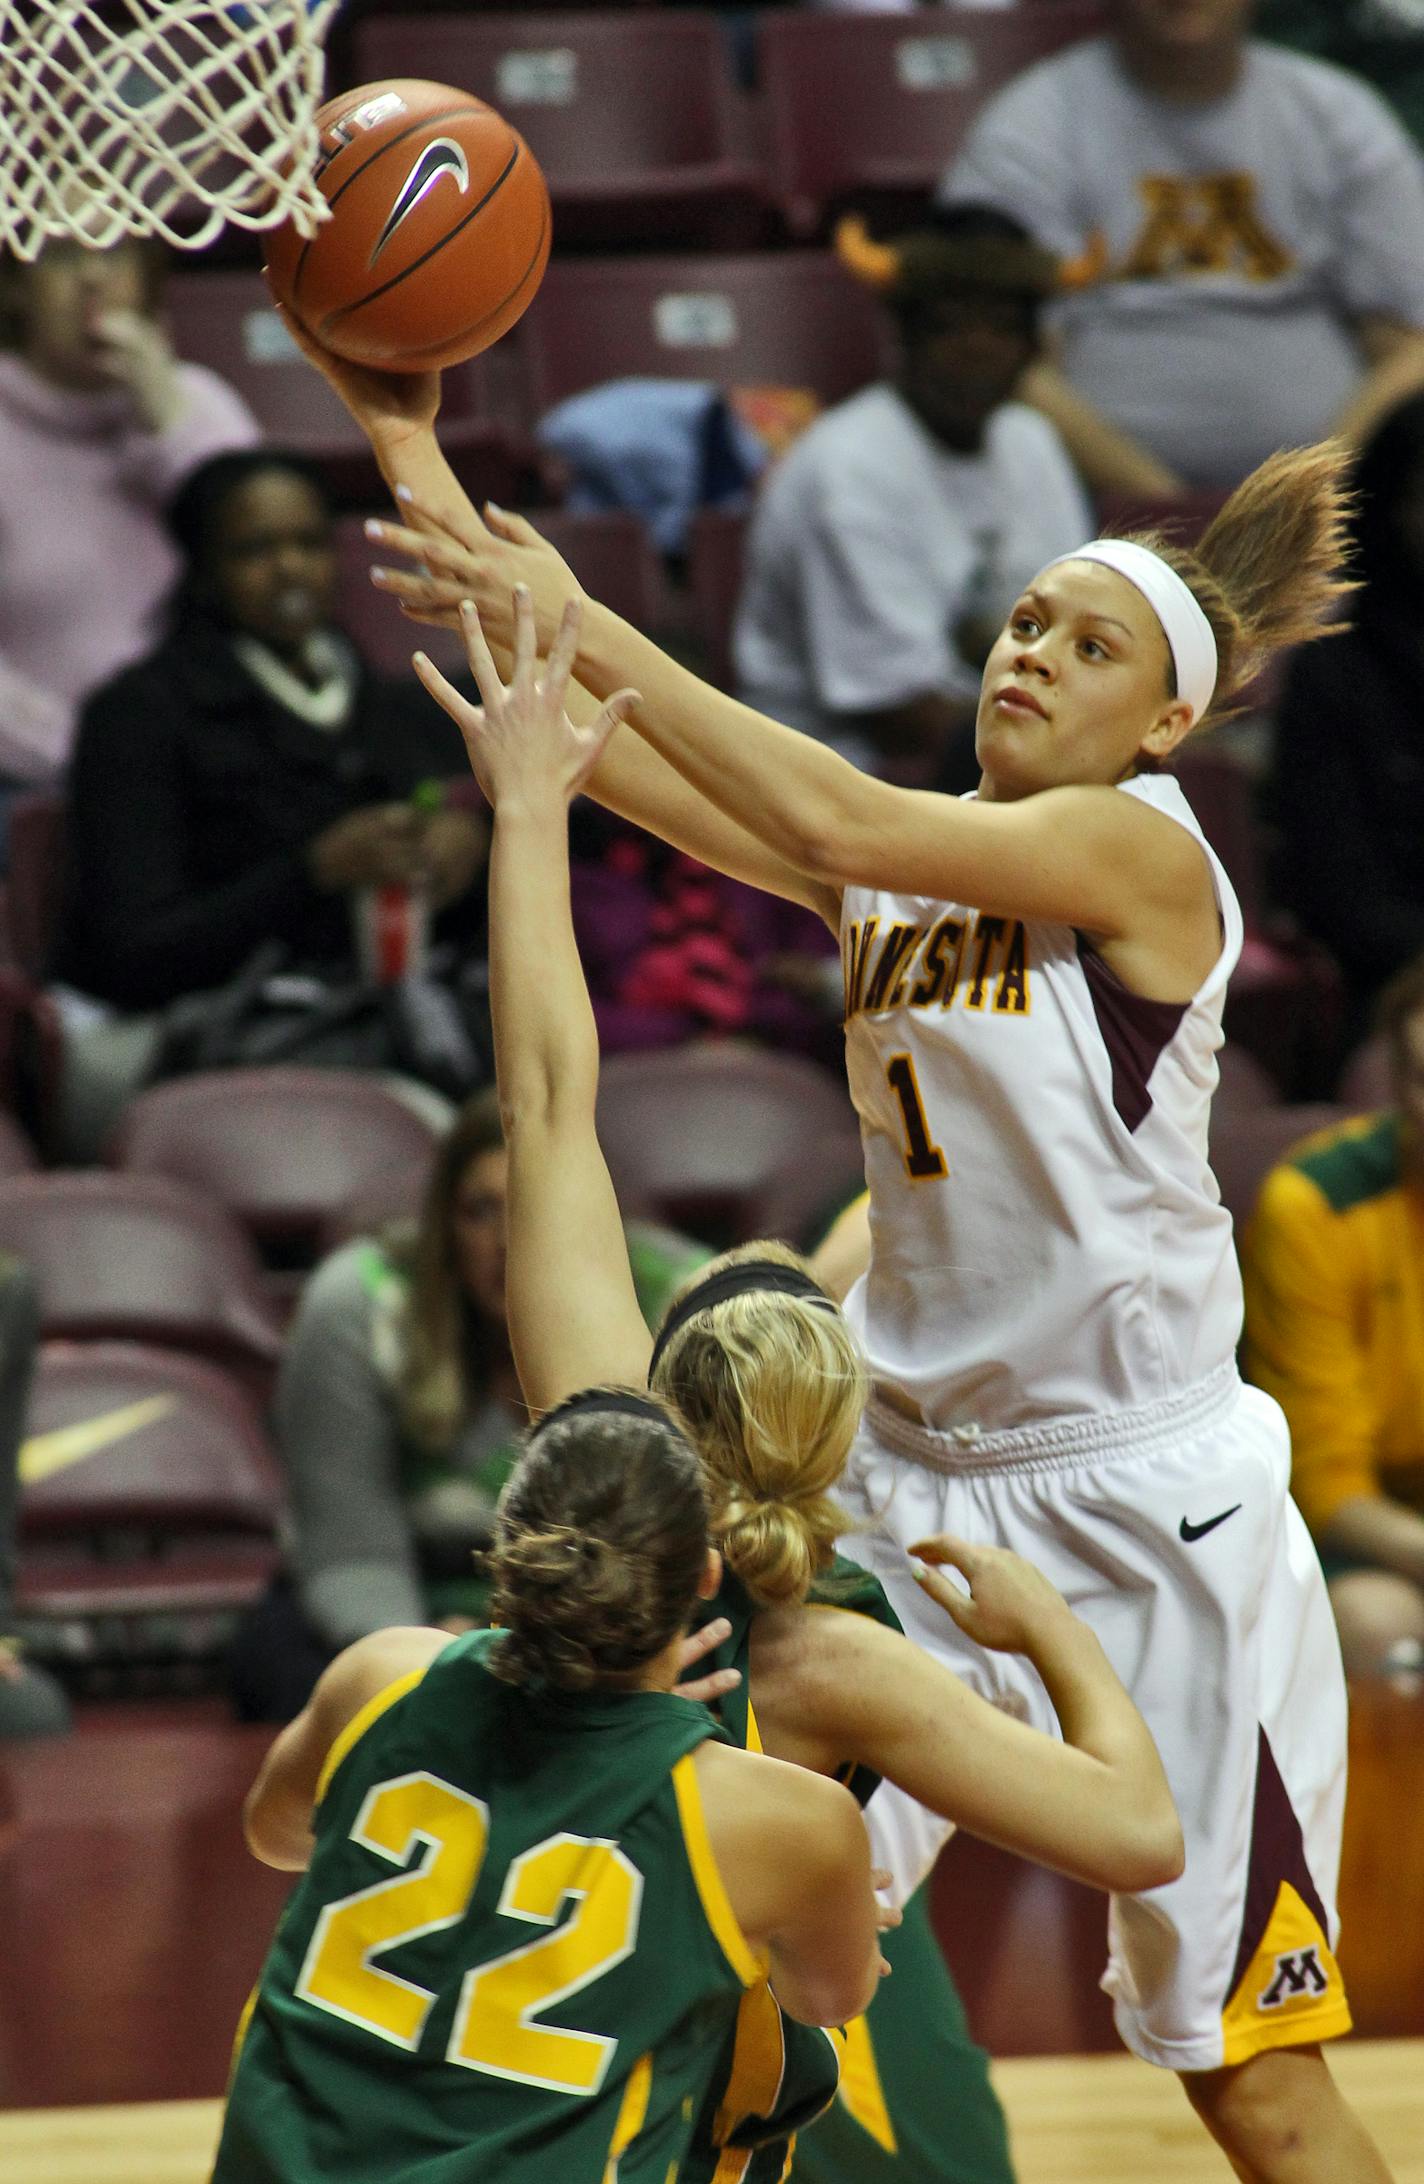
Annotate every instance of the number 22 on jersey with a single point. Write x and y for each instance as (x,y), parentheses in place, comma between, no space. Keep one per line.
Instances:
(495,2026)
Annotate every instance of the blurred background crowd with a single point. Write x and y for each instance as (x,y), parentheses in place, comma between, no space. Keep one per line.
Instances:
(885,308)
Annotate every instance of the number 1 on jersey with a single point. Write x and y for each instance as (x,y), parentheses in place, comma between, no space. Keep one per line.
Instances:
(923,1159)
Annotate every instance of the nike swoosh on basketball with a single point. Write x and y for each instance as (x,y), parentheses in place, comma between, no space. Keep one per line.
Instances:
(442,156)
(1189,1532)
(45,1453)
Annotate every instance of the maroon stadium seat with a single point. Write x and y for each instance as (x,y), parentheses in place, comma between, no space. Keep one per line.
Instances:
(867,108)
(1367,1081)
(716,556)
(227,321)
(142,1258)
(17,1154)
(633,119)
(703,1135)
(150,1500)
(281,1148)
(610,554)
(36,877)
(780,318)
(31,1055)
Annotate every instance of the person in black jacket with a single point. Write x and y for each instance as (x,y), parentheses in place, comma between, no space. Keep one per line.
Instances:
(244,781)
(1348,787)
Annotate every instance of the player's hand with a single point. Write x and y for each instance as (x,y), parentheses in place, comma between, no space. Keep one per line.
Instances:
(1010,1606)
(523,747)
(695,1647)
(133,352)
(458,558)
(377,846)
(390,407)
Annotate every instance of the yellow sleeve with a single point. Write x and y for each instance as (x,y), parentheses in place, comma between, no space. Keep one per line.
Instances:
(1302,1343)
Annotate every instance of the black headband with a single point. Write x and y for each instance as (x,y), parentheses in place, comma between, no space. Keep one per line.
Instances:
(742,1280)
(615,1400)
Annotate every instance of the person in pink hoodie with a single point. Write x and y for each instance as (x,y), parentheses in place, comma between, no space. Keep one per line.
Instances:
(99,422)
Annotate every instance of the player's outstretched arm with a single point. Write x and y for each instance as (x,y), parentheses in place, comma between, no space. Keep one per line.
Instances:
(278,1809)
(1076,855)
(574,1319)
(1096,1807)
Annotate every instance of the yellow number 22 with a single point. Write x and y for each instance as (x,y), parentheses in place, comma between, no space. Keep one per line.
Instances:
(494,2028)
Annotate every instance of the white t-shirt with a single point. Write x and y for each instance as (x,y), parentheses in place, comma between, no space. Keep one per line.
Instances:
(870,542)
(1047,1238)
(1225,249)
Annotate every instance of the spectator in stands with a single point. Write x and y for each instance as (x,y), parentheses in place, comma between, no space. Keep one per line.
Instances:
(1334,1268)
(1378,39)
(673,951)
(1347,794)
(1243,229)
(31,1702)
(99,423)
(892,538)
(398,1416)
(242,782)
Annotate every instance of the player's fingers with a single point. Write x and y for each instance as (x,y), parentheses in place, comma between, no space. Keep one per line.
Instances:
(700,1642)
(562,653)
(438,523)
(526,642)
(714,1685)
(427,549)
(956,1603)
(478,653)
(615,712)
(960,1554)
(511,527)
(467,718)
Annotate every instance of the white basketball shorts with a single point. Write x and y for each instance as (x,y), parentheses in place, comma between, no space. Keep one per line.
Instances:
(1171,1531)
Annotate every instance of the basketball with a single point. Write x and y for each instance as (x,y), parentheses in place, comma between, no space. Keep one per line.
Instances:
(439,232)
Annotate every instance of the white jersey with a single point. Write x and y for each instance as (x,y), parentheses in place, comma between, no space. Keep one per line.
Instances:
(1047,1238)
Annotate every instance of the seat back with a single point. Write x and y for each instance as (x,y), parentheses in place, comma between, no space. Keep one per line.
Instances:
(597,98)
(123,1436)
(17,1154)
(281,1148)
(140,1257)
(866,106)
(1367,1080)
(716,558)
(776,319)
(697,1135)
(1246,1143)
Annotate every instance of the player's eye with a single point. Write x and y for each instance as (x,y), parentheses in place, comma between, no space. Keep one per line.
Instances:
(1093,648)
(1024,625)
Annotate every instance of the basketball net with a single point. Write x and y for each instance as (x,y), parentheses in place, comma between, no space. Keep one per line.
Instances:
(157,117)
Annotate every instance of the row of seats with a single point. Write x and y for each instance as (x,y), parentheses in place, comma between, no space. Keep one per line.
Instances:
(645,139)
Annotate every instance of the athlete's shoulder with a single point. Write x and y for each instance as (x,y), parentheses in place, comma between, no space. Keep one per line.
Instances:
(1350,1163)
(845,1585)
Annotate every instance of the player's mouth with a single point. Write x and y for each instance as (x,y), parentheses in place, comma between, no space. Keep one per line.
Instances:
(1013,698)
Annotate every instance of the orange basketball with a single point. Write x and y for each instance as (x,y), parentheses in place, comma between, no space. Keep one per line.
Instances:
(439,229)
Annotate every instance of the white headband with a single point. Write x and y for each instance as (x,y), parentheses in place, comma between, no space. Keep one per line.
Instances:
(1186,628)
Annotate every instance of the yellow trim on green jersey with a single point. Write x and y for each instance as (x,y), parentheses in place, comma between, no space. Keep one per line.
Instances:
(359,1723)
(632,2114)
(710,1886)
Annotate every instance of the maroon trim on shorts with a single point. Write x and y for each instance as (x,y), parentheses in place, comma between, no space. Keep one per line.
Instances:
(1134,1030)
(1277,1854)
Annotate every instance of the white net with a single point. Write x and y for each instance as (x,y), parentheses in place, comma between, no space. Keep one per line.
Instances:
(157,117)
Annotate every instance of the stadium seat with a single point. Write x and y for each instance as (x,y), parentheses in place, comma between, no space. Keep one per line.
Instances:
(36,878)
(633,119)
(1246,1144)
(870,109)
(610,554)
(704,1135)
(777,319)
(281,1148)
(150,1501)
(803,1197)
(17,1154)
(31,1055)
(141,1258)
(227,321)
(1243,1083)
(716,554)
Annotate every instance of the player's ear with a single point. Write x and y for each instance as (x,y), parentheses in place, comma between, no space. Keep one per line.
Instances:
(710,1582)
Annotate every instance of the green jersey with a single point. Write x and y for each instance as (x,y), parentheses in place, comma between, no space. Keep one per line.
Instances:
(775,2076)
(511,1957)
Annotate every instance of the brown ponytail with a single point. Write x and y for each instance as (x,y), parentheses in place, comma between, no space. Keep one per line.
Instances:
(600,1543)
(1269,568)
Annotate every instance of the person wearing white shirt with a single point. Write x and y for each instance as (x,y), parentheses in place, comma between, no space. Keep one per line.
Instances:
(892,538)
